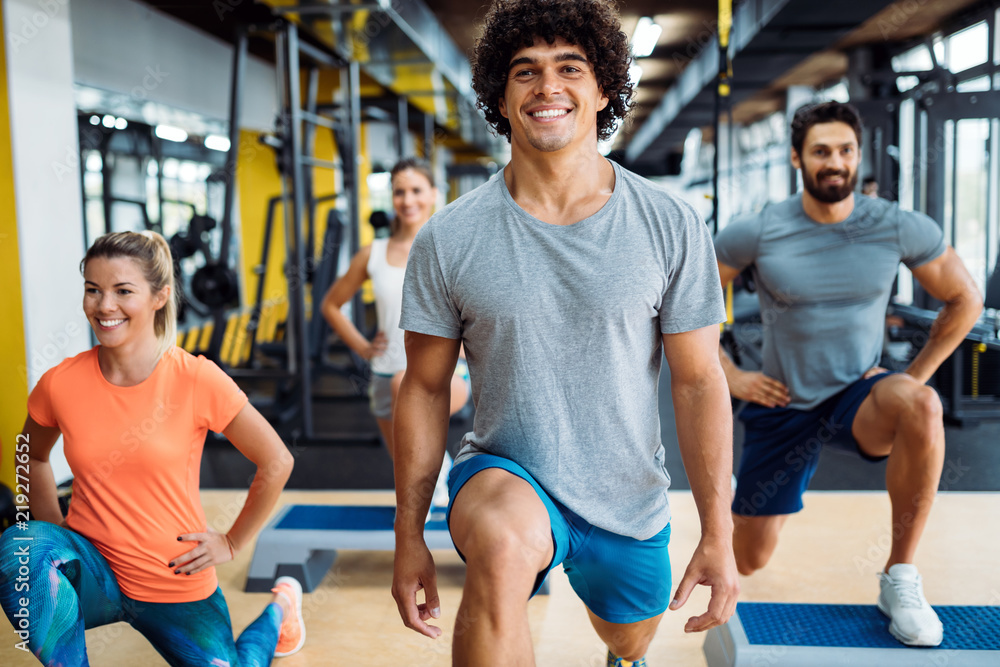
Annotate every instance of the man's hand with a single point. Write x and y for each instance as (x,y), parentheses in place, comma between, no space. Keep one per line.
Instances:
(714,565)
(757,388)
(413,569)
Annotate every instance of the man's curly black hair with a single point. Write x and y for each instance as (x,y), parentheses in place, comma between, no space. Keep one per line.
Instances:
(592,25)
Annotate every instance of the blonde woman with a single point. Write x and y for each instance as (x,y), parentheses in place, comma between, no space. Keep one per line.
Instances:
(384,262)
(135,547)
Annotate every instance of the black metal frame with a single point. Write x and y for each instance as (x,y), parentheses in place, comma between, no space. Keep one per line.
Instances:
(298,117)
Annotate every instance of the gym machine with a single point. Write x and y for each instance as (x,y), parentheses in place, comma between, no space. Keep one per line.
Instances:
(300,359)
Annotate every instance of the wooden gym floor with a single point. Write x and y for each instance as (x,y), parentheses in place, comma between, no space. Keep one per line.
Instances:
(829,553)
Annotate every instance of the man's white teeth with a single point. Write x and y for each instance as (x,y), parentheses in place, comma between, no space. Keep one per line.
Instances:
(550,113)
(110,323)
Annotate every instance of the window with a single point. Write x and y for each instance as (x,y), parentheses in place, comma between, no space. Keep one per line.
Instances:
(967,48)
(905,83)
(972,182)
(917,59)
(976,85)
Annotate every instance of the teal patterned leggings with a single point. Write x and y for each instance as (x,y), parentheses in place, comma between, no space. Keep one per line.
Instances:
(68,587)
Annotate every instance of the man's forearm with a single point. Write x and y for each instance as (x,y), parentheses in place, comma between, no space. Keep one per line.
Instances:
(420,433)
(704,420)
(950,327)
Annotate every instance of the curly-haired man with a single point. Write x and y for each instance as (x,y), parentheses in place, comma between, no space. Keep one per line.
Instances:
(567,278)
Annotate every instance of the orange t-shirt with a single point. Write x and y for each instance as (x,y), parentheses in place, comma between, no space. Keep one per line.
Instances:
(135,453)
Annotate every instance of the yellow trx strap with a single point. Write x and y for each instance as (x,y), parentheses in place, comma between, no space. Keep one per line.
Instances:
(976,351)
(725,27)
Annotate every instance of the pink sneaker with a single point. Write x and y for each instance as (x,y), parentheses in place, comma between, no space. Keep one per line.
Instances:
(292,635)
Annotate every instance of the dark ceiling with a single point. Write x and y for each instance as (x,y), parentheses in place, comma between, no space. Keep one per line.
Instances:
(687,26)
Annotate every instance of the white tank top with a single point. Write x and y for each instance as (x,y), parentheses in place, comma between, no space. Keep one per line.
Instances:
(387,283)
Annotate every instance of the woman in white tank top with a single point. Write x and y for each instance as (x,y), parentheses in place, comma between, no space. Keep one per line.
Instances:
(384,262)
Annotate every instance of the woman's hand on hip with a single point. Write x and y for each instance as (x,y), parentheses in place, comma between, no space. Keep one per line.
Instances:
(210,549)
(378,345)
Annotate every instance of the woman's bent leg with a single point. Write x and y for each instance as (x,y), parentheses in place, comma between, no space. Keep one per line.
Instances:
(199,633)
(54,584)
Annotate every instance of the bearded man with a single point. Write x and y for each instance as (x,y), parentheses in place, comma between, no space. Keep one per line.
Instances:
(824,263)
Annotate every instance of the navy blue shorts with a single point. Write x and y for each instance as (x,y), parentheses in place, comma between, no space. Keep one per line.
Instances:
(619,578)
(781,449)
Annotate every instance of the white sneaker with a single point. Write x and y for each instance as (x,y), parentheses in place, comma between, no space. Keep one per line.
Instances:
(902,599)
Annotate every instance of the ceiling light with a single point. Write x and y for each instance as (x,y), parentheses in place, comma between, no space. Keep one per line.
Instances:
(217,142)
(170,133)
(95,120)
(644,39)
(108,121)
(634,74)
(121,124)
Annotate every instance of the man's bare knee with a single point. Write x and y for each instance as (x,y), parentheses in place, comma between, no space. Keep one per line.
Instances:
(502,563)
(921,419)
(754,540)
(499,542)
(925,404)
(749,561)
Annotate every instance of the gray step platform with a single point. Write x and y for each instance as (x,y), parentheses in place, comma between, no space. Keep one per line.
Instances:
(301,541)
(815,635)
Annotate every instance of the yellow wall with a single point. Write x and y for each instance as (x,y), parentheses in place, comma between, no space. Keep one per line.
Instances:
(13,358)
(258,180)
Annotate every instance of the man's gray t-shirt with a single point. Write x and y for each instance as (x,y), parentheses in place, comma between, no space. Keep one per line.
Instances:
(562,330)
(824,288)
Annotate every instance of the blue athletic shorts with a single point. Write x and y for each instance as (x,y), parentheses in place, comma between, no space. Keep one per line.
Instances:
(781,449)
(620,579)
